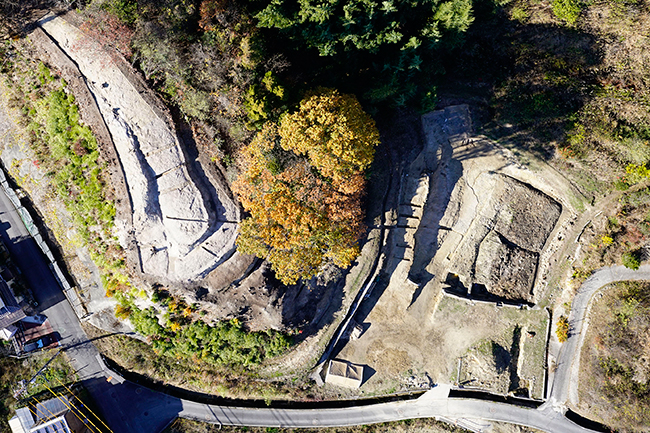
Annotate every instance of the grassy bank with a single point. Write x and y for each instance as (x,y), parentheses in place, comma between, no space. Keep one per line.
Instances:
(408,426)
(615,386)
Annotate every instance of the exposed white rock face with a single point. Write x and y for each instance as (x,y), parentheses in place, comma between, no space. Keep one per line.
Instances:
(181,232)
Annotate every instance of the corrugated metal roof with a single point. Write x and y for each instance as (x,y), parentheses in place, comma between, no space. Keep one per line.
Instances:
(10,315)
(51,408)
(22,422)
(56,425)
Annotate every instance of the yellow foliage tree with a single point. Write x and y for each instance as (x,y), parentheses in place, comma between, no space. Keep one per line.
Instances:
(304,195)
(336,134)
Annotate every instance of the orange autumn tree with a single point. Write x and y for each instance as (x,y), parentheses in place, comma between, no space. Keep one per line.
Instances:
(302,183)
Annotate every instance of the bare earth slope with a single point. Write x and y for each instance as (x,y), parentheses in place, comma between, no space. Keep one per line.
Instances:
(182,229)
(470,211)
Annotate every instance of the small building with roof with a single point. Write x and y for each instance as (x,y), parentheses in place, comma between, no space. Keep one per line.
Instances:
(57,415)
(344,373)
(10,312)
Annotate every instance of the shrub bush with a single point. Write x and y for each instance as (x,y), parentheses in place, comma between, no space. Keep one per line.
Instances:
(631,260)
(567,10)
(562,330)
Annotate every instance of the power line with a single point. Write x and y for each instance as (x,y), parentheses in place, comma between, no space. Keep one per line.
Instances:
(71,410)
(84,405)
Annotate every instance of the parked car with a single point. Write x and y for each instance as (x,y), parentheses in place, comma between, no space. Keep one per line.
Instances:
(45,341)
(37,319)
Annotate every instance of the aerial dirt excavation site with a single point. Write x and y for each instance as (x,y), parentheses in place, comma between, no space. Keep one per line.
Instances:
(347,215)
(176,216)
(183,225)
(463,255)
(466,263)
(463,272)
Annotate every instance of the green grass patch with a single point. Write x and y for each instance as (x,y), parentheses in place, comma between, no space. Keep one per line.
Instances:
(224,343)
(71,150)
(68,151)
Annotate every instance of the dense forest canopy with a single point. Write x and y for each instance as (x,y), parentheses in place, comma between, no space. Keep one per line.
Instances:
(334,26)
(385,48)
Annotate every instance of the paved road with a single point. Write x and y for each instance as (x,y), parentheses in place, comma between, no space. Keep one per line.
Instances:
(565,381)
(424,407)
(125,407)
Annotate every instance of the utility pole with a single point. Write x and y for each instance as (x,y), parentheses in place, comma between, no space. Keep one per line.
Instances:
(24,387)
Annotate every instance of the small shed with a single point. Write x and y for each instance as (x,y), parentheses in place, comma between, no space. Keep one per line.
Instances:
(8,332)
(344,373)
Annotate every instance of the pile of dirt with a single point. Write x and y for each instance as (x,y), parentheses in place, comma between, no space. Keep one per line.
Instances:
(495,364)
(486,368)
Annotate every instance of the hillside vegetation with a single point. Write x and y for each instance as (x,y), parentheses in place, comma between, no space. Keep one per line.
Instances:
(616,375)
(284,97)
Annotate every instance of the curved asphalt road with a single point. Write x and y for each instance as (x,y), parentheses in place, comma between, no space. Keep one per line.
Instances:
(565,382)
(427,406)
(127,407)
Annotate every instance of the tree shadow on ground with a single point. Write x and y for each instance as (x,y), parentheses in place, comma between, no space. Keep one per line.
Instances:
(309,306)
(532,77)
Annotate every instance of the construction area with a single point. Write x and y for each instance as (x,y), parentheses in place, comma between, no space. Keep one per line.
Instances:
(459,300)
(470,235)
(176,217)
